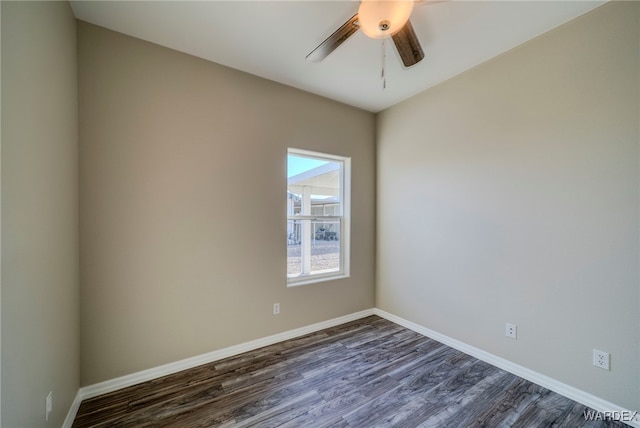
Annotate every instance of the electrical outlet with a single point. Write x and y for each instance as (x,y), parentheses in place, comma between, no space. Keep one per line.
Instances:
(511,331)
(276,308)
(601,359)
(48,405)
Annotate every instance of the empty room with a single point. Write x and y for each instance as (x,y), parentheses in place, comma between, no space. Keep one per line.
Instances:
(320,213)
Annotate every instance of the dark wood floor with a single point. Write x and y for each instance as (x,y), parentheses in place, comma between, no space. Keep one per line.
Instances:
(367,373)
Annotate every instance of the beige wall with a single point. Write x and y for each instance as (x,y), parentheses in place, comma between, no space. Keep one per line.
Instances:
(510,194)
(183,204)
(40,311)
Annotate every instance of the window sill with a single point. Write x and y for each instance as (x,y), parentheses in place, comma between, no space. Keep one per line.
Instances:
(313,279)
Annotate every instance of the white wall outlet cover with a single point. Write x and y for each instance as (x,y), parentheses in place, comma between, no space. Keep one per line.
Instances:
(601,359)
(511,330)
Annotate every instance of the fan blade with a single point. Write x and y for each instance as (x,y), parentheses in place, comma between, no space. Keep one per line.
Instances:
(408,45)
(333,41)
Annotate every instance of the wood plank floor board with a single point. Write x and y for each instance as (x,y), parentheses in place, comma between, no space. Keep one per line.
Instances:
(366,373)
(328,413)
(477,404)
(354,397)
(393,351)
(369,360)
(280,412)
(548,409)
(321,362)
(517,395)
(382,389)
(445,398)
(422,365)
(378,408)
(576,418)
(180,408)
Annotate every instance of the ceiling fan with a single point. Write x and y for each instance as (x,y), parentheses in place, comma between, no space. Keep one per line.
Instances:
(378,19)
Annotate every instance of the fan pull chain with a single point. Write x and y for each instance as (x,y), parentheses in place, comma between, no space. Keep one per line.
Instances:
(384,62)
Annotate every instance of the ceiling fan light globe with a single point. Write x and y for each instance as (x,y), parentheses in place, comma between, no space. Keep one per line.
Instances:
(393,13)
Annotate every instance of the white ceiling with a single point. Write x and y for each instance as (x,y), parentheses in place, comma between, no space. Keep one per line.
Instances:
(272,38)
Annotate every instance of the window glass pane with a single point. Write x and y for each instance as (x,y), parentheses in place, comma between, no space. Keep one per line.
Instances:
(325,247)
(294,249)
(322,254)
(315,182)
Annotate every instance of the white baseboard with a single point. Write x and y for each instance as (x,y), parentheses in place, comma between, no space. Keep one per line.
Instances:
(73,411)
(188,363)
(575,394)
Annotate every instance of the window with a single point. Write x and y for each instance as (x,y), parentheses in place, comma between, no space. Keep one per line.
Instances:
(317,217)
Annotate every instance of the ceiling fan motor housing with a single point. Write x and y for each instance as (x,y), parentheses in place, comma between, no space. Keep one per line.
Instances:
(383,18)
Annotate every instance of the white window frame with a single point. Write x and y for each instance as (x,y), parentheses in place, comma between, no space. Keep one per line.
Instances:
(345,216)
